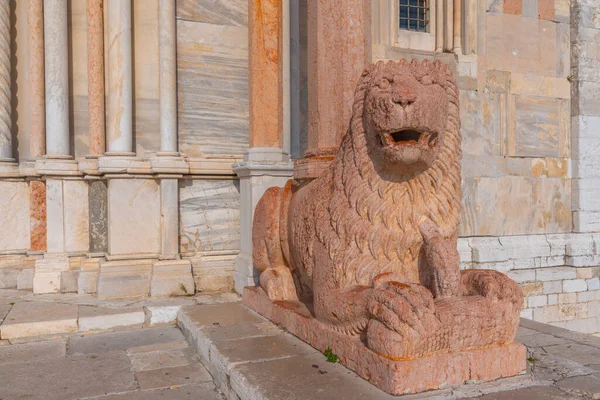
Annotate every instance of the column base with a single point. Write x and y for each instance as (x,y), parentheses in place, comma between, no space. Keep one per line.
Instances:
(166,163)
(244,274)
(48,275)
(261,169)
(9,168)
(87,281)
(57,165)
(124,279)
(172,278)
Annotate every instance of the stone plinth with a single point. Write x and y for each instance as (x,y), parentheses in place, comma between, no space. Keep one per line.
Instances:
(396,377)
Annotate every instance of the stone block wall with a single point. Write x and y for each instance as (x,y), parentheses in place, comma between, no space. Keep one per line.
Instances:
(527,74)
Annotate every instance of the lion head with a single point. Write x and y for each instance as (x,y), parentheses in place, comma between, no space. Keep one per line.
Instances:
(398,164)
(405,113)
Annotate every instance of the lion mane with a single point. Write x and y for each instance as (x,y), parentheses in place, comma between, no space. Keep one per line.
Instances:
(376,216)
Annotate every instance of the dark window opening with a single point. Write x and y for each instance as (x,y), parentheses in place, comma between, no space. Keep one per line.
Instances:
(414,15)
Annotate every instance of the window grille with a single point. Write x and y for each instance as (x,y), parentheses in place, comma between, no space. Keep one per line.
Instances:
(414,15)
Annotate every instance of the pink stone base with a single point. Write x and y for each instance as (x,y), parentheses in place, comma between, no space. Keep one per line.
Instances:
(392,376)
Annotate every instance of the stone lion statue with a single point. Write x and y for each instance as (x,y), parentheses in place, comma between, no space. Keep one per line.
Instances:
(371,245)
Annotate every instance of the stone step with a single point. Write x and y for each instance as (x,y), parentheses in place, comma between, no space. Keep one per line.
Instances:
(30,320)
(251,358)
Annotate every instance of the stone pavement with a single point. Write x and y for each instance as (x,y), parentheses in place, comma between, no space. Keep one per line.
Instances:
(77,347)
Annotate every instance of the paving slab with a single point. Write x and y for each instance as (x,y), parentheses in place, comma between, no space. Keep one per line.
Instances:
(4,309)
(158,359)
(586,386)
(541,340)
(172,377)
(100,318)
(176,345)
(68,378)
(27,319)
(85,344)
(32,352)
(257,349)
(530,393)
(221,315)
(579,353)
(306,377)
(205,391)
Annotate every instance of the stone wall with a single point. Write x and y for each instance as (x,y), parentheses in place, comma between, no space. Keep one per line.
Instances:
(527,74)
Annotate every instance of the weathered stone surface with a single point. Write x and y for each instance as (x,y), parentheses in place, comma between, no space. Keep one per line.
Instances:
(68,378)
(153,360)
(209,214)
(577,352)
(98,205)
(122,279)
(260,348)
(204,391)
(32,319)
(213,88)
(172,278)
(541,339)
(32,352)
(76,214)
(134,224)
(172,377)
(310,375)
(105,342)
(532,393)
(213,273)
(97,318)
(14,216)
(38,215)
(586,386)
(220,13)
(221,314)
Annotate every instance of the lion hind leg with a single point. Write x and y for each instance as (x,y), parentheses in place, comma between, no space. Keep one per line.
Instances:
(267,255)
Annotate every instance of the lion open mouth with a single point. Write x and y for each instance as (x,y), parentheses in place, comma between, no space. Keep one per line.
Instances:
(405,137)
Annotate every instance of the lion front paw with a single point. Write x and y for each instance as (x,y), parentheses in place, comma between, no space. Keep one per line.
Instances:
(492,285)
(404,308)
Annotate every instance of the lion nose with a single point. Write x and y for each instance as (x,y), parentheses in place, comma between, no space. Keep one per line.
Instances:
(404,97)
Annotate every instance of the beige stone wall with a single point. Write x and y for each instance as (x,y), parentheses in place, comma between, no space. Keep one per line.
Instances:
(515,114)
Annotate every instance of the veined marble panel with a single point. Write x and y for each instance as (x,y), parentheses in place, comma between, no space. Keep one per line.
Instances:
(14,216)
(77,223)
(538,127)
(481,128)
(515,205)
(212,62)
(210,215)
(98,216)
(133,216)
(218,12)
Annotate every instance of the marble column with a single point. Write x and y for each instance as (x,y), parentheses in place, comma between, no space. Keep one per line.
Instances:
(339,48)
(56,44)
(449,25)
(457,26)
(37,96)
(167,48)
(5,85)
(120,87)
(439,25)
(95,55)
(267,162)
